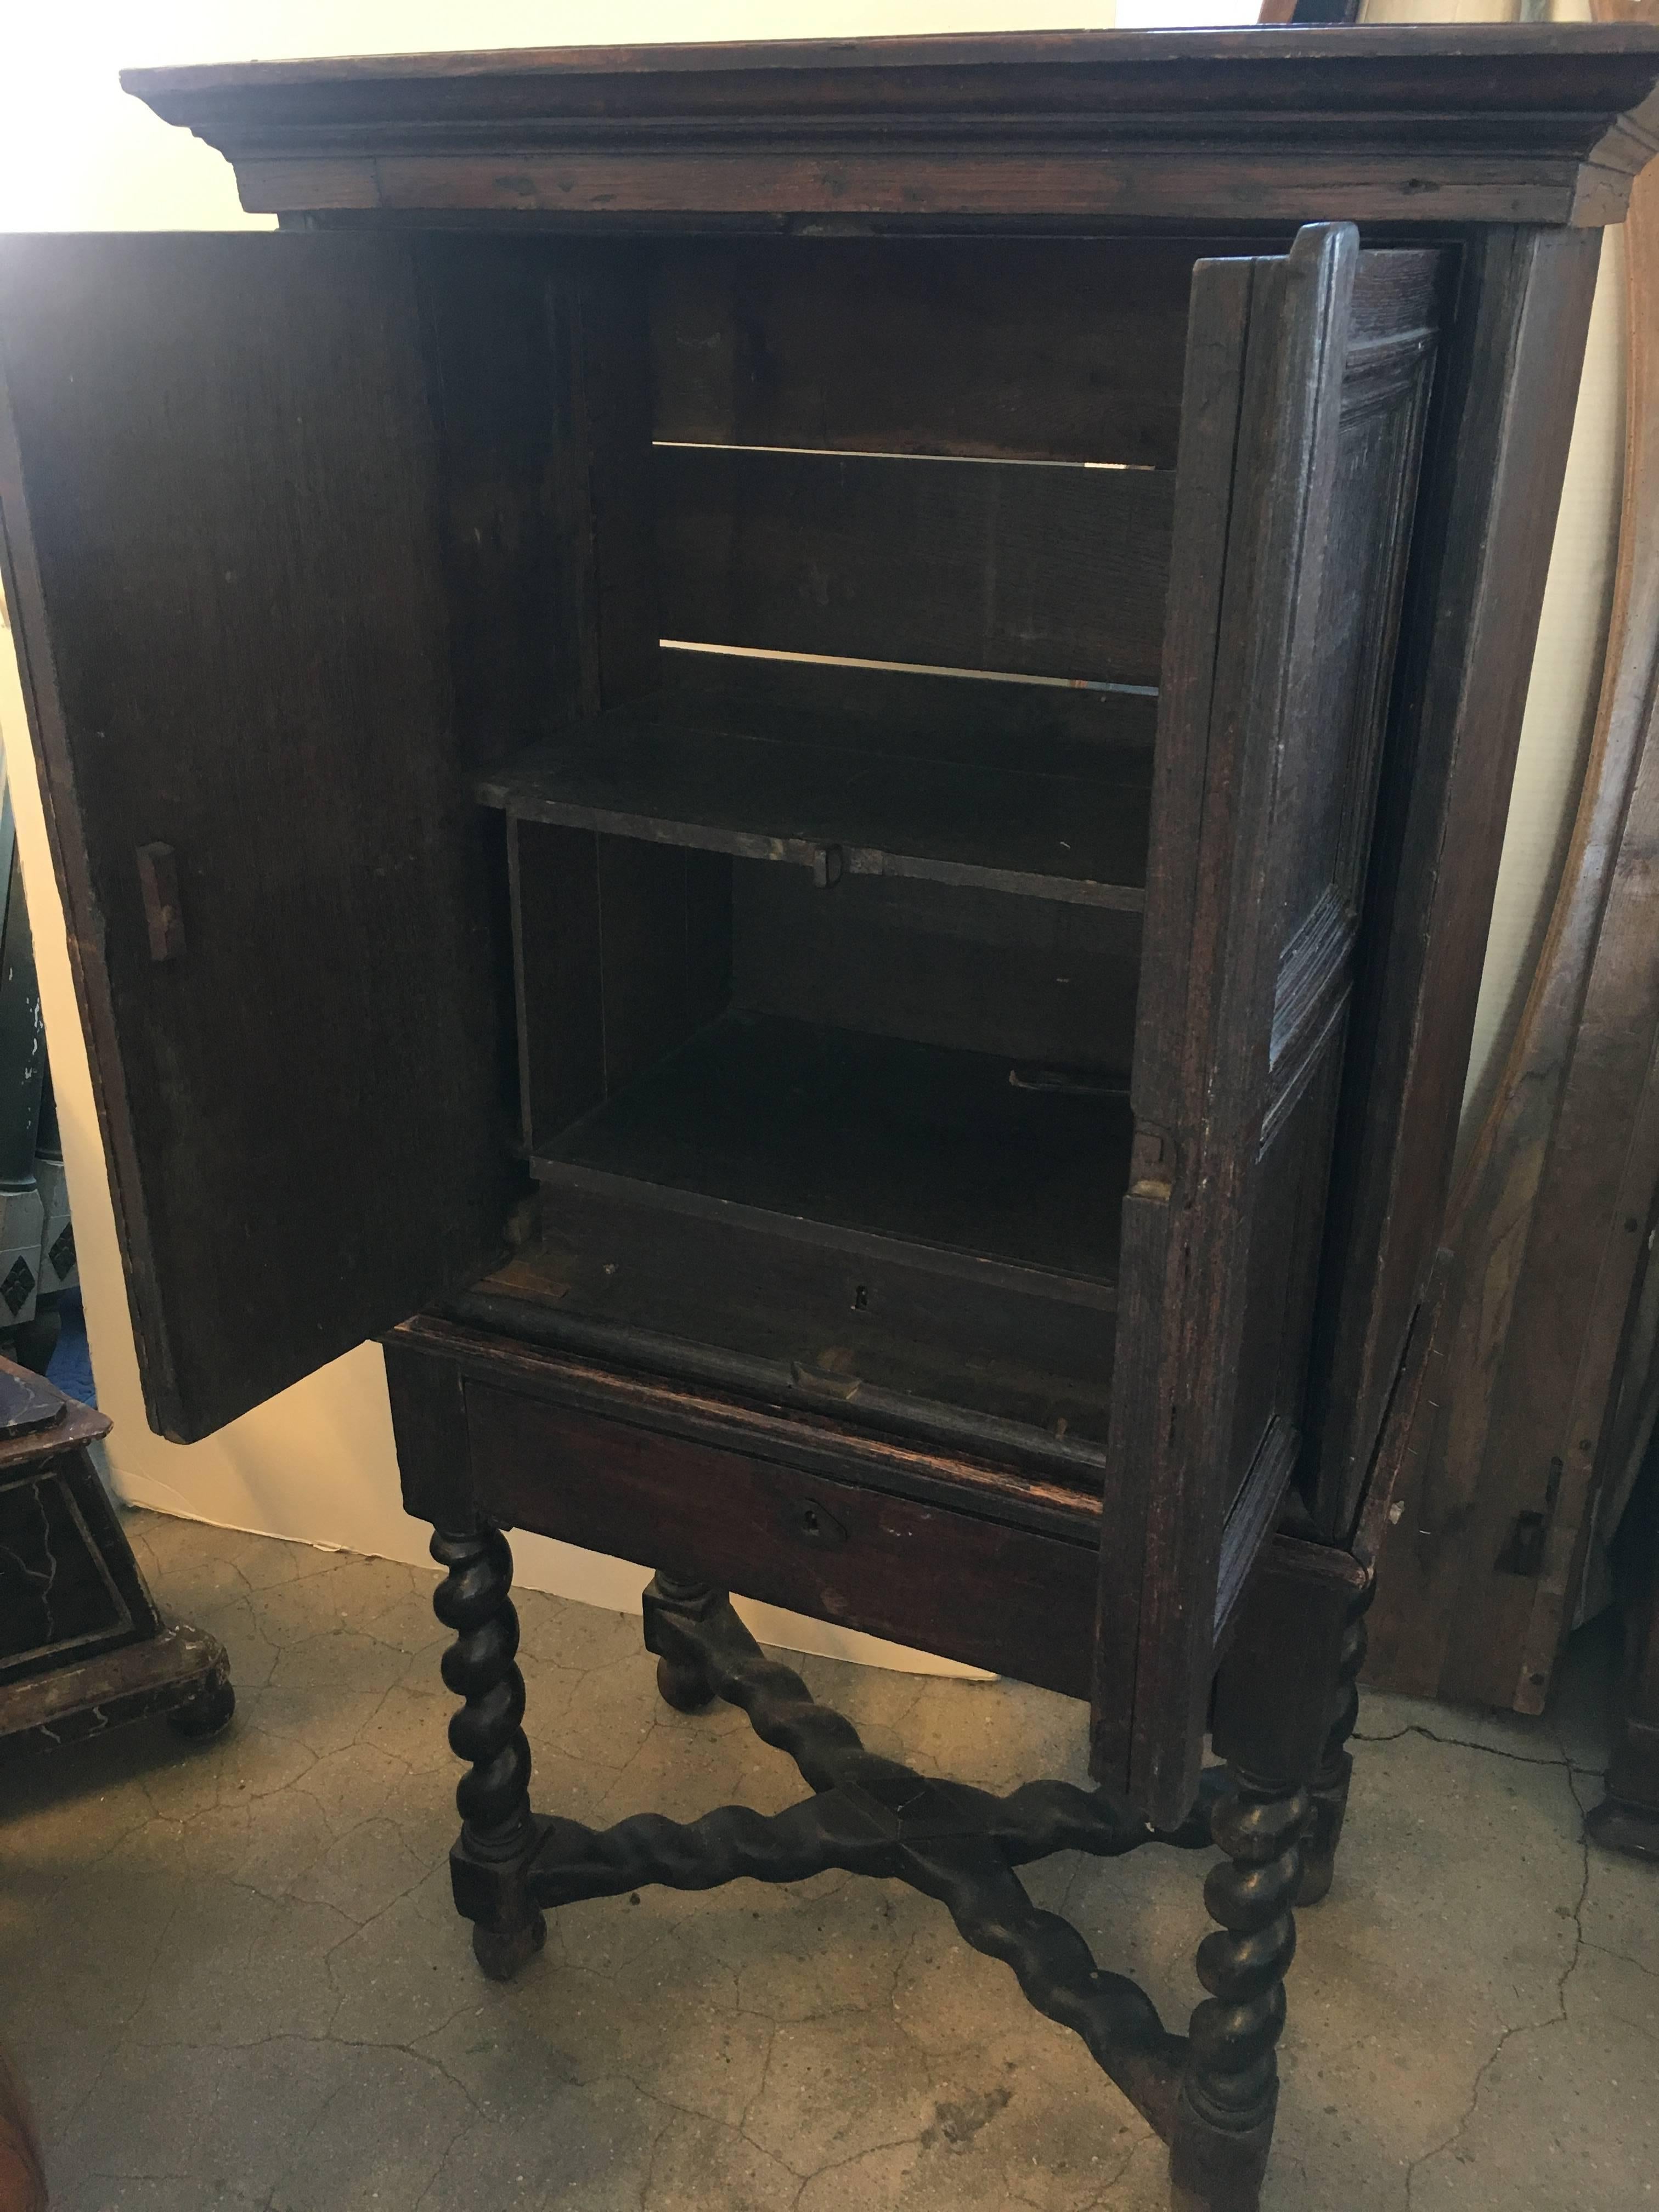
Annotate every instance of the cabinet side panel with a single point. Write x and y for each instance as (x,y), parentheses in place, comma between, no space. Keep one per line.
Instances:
(1030,567)
(503,331)
(1028,977)
(556,957)
(428,1418)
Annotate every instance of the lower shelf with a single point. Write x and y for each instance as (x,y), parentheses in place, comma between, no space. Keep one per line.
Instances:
(876,1135)
(922,1239)
(890,1347)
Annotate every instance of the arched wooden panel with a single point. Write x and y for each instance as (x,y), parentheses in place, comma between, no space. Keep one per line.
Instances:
(1546,1223)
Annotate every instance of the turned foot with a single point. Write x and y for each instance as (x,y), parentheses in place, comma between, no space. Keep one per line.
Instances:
(686,1688)
(489,1863)
(206,1711)
(1230,2086)
(682,1679)
(502,1953)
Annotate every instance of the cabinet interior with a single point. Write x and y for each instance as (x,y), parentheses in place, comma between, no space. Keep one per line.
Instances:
(828,894)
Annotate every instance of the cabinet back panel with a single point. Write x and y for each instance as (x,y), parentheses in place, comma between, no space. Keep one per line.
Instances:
(1038,569)
(560,992)
(1041,349)
(1067,729)
(1034,979)
(875,1135)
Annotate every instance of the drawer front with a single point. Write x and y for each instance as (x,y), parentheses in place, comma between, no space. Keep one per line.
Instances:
(1005,1599)
(1007,1342)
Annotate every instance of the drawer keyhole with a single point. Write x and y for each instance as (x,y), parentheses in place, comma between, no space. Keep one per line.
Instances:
(814,1524)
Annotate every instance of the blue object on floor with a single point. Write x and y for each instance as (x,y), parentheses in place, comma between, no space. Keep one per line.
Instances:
(70,1366)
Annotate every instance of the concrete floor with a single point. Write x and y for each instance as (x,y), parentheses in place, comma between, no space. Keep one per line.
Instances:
(233,1977)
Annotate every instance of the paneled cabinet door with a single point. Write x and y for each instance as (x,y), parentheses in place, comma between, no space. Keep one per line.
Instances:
(1306,381)
(223,508)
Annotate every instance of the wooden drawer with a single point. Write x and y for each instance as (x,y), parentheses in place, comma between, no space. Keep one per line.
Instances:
(953,1583)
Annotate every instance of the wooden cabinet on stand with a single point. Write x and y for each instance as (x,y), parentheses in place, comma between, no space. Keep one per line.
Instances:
(794,756)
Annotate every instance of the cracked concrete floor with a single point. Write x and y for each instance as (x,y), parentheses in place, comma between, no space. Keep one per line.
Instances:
(233,1979)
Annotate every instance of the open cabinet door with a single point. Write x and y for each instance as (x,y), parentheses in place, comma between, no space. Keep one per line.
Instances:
(225,555)
(1301,432)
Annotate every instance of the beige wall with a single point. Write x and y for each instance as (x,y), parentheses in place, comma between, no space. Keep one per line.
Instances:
(1572,629)
(317,1463)
(1566,672)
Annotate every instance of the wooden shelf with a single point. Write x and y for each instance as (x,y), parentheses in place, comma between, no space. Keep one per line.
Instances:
(853,1138)
(647,772)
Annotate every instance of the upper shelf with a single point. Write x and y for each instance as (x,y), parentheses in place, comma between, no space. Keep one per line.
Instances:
(644,772)
(1441,122)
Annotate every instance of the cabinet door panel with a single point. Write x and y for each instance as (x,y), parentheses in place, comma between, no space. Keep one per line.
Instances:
(220,486)
(1301,423)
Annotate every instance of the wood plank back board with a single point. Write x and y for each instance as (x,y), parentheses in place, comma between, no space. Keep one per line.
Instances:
(1033,569)
(1039,349)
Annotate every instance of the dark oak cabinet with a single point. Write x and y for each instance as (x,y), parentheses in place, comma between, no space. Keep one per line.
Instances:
(794,757)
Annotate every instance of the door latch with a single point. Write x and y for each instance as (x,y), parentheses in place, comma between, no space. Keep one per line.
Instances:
(164,917)
(1152,1163)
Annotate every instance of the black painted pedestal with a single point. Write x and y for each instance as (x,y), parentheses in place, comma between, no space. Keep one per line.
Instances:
(83,1648)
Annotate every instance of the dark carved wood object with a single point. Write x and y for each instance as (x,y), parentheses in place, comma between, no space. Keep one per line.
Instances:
(83,1648)
(831,724)
(1627,1818)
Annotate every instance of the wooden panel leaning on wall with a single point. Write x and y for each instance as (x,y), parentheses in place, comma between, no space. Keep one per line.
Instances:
(1553,1211)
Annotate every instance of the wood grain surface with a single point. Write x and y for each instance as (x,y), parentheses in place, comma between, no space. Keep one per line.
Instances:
(1502,123)
(221,491)
(1548,1221)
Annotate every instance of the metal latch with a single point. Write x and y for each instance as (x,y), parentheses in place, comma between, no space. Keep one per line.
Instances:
(1152,1163)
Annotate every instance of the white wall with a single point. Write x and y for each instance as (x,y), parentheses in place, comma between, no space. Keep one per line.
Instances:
(1566,672)
(1572,629)
(317,1463)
